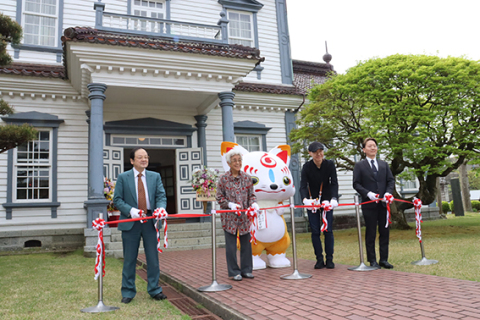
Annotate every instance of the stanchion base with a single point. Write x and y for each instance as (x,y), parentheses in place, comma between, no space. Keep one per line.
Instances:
(362,267)
(100,307)
(296,276)
(424,262)
(215,287)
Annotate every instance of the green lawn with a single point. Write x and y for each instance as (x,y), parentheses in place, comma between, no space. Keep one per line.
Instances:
(57,286)
(454,242)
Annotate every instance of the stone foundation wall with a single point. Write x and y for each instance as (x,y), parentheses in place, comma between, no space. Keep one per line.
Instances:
(41,240)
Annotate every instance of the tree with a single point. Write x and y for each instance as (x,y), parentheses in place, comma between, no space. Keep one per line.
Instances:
(473,180)
(422,110)
(11,135)
(10,32)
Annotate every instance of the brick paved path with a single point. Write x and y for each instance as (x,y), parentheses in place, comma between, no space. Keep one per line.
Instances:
(329,294)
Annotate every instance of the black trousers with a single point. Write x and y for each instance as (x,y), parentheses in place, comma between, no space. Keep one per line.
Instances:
(376,217)
(246,259)
(315,220)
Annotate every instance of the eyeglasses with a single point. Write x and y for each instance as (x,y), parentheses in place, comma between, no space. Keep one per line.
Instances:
(143,158)
(236,161)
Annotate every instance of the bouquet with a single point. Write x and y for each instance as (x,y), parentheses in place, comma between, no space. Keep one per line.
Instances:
(109,188)
(205,180)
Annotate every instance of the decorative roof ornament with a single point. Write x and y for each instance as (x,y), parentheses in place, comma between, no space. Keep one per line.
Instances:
(327,57)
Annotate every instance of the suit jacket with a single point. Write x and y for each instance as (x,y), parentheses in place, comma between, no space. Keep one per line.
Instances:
(125,196)
(364,180)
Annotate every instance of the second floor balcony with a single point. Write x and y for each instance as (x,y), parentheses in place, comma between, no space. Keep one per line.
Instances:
(157,27)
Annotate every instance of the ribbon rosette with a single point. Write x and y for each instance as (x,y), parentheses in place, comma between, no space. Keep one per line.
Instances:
(98,224)
(388,201)
(161,214)
(142,215)
(417,203)
(326,206)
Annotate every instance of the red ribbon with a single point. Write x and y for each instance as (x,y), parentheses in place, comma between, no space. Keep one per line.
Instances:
(326,206)
(98,224)
(161,214)
(389,200)
(417,203)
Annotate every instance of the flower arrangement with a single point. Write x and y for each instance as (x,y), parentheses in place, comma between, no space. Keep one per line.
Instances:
(109,188)
(205,181)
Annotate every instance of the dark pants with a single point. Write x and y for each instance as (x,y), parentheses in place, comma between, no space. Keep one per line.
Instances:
(315,220)
(131,242)
(246,260)
(376,217)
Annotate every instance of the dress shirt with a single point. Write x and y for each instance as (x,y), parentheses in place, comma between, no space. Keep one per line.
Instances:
(370,162)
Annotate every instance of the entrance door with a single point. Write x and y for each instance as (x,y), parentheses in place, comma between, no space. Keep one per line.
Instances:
(112,162)
(186,161)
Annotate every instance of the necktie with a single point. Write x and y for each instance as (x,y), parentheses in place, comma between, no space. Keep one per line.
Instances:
(374,168)
(142,200)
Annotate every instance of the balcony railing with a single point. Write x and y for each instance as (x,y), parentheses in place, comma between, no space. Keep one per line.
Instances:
(176,30)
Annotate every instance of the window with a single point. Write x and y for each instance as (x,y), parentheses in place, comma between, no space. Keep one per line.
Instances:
(149,9)
(240,28)
(33,168)
(40,22)
(249,142)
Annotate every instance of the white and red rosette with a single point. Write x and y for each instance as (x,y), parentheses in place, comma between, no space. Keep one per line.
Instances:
(417,204)
(252,216)
(388,200)
(326,206)
(142,215)
(98,224)
(161,214)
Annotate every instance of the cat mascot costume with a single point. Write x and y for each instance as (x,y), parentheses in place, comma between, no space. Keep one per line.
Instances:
(273,184)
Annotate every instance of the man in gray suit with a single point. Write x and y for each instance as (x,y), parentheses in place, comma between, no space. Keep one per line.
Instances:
(139,190)
(373,180)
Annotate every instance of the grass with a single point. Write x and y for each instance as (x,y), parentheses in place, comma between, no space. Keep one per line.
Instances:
(454,242)
(57,286)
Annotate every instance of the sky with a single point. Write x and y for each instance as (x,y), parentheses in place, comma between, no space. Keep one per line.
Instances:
(357,30)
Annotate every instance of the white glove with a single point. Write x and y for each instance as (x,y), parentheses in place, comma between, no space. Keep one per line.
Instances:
(334,203)
(310,202)
(134,213)
(233,206)
(255,206)
(372,196)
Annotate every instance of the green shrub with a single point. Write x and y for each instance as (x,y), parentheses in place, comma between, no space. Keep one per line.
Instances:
(445,207)
(451,207)
(476,205)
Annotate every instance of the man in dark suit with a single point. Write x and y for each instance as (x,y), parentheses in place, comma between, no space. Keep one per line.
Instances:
(373,180)
(137,191)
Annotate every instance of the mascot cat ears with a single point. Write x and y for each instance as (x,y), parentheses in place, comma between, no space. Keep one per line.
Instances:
(282,151)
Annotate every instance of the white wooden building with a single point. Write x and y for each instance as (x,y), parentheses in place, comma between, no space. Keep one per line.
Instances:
(177,77)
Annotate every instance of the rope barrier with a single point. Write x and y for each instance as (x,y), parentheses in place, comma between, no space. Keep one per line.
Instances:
(161,214)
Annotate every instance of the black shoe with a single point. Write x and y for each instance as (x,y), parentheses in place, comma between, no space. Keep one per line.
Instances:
(330,264)
(374,264)
(248,275)
(385,264)
(160,296)
(319,264)
(126,300)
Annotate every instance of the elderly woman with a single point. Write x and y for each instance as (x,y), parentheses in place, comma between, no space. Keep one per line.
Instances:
(235,191)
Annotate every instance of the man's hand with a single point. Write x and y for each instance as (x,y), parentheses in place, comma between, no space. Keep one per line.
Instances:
(135,213)
(310,202)
(334,203)
(372,196)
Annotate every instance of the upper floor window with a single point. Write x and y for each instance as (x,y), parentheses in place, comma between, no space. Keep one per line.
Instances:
(250,142)
(240,28)
(149,9)
(40,22)
(33,168)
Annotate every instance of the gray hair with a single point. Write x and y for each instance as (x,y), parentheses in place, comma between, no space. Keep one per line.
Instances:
(232,153)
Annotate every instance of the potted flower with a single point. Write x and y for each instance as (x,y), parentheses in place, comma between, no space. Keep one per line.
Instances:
(204,182)
(112,212)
